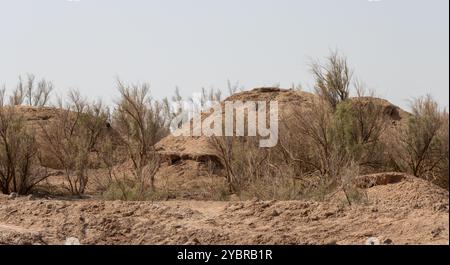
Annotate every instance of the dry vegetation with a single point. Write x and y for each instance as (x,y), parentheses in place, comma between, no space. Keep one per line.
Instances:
(333,140)
(347,166)
(142,123)
(322,149)
(20,169)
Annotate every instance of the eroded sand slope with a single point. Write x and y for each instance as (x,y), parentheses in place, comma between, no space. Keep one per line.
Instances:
(411,211)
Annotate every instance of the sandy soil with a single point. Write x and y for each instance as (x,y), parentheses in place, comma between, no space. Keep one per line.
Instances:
(412,211)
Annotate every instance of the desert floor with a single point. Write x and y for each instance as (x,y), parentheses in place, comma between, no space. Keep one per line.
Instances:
(412,211)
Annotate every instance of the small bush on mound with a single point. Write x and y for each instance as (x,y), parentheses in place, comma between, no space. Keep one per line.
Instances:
(352,193)
(31,93)
(142,123)
(72,136)
(263,174)
(333,78)
(424,146)
(356,130)
(214,187)
(322,143)
(215,190)
(276,187)
(19,165)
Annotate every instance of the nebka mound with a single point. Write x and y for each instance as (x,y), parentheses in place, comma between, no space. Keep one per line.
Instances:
(188,158)
(36,118)
(198,148)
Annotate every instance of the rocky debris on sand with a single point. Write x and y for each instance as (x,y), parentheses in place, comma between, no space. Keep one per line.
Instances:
(72,241)
(13,195)
(372,241)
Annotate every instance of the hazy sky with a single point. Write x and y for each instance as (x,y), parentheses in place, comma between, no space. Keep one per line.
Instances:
(398,47)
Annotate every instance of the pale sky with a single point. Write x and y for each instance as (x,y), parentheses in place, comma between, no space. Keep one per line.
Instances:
(398,47)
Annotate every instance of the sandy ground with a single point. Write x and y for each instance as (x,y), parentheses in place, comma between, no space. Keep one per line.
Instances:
(410,212)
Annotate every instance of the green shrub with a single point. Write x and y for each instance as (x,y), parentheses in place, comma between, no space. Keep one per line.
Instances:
(424,142)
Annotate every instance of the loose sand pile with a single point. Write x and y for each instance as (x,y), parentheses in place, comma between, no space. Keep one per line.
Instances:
(411,211)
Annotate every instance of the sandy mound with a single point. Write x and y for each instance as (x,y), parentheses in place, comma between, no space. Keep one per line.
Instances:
(36,117)
(184,148)
(191,180)
(199,149)
(410,191)
(411,211)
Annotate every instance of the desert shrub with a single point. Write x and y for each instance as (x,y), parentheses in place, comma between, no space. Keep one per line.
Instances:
(307,163)
(107,153)
(71,138)
(323,143)
(214,187)
(224,148)
(356,129)
(352,193)
(174,109)
(217,190)
(441,177)
(248,162)
(310,142)
(31,92)
(334,131)
(252,171)
(424,142)
(282,184)
(320,141)
(234,87)
(242,160)
(332,78)
(130,190)
(271,188)
(318,187)
(337,123)
(19,165)
(208,97)
(142,123)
